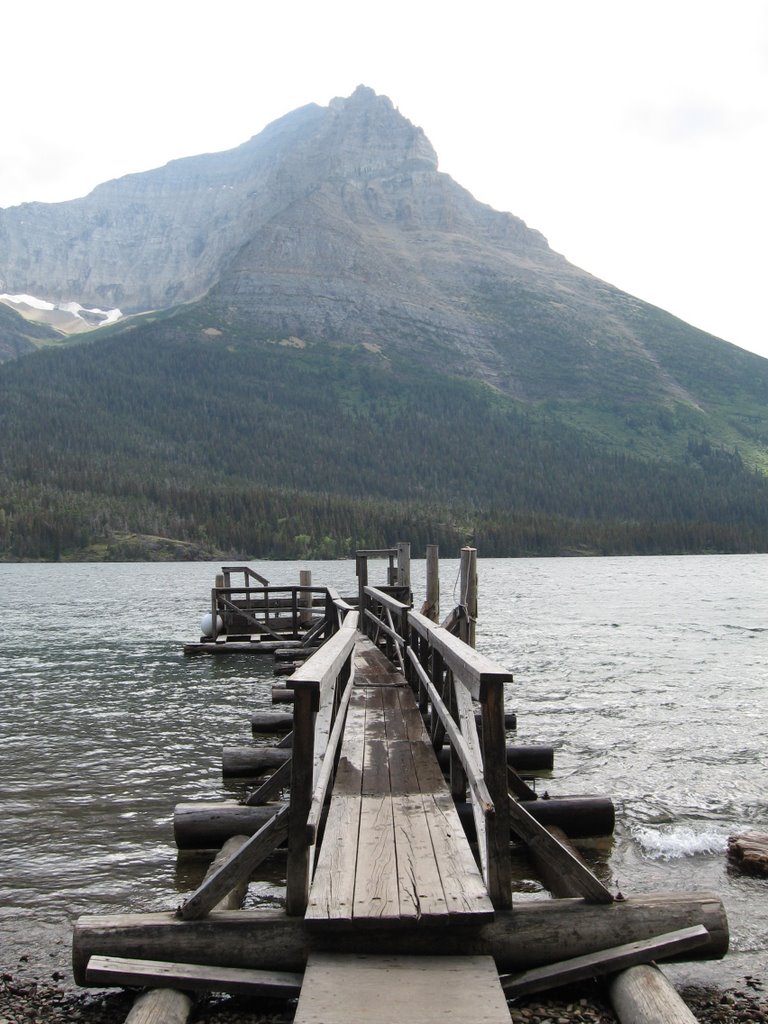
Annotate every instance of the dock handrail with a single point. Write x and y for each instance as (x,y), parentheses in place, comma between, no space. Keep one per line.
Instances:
(321,688)
(379,604)
(447,674)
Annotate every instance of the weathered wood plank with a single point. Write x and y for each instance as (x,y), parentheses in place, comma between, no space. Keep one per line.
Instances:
(111,970)
(558,857)
(379,990)
(607,961)
(332,892)
(237,868)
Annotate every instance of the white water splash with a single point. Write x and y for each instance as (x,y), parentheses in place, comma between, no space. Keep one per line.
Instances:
(675,843)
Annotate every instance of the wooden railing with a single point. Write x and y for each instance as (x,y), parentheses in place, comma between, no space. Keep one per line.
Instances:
(321,687)
(277,612)
(447,675)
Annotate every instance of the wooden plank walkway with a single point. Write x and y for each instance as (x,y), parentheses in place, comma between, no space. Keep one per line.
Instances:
(408,989)
(394,851)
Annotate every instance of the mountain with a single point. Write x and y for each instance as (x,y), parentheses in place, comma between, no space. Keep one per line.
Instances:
(298,307)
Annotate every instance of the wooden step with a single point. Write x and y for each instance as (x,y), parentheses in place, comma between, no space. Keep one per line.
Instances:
(348,989)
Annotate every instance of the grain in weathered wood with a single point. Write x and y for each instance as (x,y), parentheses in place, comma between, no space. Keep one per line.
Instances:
(411,990)
(499,877)
(302,762)
(607,961)
(237,868)
(204,826)
(463,886)
(534,934)
(559,859)
(105,971)
(376,889)
(474,669)
(331,895)
(160,1006)
(419,879)
(271,722)
(643,995)
(250,762)
(323,777)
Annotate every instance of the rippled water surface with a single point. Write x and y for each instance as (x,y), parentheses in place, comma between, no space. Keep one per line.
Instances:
(649,676)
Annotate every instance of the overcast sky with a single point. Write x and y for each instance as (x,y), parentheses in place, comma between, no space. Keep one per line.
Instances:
(634,136)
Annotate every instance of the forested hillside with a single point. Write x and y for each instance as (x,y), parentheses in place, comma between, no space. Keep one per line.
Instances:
(169,439)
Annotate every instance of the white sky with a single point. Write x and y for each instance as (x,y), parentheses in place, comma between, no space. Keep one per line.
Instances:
(634,136)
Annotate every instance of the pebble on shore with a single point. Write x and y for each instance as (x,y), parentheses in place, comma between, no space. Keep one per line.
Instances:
(33,1002)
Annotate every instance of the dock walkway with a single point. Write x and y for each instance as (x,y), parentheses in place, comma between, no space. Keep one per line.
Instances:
(394,850)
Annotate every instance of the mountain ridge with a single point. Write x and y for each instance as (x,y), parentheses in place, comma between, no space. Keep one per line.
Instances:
(329,257)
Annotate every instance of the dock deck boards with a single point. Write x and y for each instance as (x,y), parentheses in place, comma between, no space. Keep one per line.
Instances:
(394,850)
(347,989)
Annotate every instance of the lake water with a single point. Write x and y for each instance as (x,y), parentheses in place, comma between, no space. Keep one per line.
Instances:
(649,676)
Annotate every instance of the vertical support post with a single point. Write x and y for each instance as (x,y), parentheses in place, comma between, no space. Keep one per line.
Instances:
(468,595)
(437,729)
(432,601)
(495,774)
(302,768)
(305,600)
(404,565)
(362,582)
(458,776)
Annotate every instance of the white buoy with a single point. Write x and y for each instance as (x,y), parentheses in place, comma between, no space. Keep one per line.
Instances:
(206,625)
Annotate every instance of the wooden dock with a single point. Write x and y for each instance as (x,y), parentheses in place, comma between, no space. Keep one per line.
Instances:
(391,912)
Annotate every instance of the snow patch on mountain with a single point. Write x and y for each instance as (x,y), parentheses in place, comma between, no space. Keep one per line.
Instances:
(67,317)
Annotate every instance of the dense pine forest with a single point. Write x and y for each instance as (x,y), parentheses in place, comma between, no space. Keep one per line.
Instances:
(165,441)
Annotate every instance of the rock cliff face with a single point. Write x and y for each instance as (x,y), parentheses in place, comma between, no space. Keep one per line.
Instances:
(335,224)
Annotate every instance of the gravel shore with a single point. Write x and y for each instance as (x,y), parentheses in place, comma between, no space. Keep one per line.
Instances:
(31,1002)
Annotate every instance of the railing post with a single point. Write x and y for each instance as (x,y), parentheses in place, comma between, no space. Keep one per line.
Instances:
(361,568)
(432,602)
(468,595)
(305,703)
(305,600)
(495,773)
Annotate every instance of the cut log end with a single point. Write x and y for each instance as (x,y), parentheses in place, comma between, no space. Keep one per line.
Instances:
(748,851)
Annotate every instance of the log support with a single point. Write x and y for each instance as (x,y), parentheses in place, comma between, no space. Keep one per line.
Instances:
(530,935)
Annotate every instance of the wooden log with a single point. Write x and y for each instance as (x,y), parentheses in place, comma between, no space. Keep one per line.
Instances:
(168,1005)
(607,961)
(557,857)
(105,971)
(207,826)
(532,935)
(579,816)
(557,882)
(160,1006)
(286,668)
(294,653)
(251,762)
(531,758)
(510,720)
(233,898)
(748,851)
(271,722)
(231,874)
(282,695)
(643,995)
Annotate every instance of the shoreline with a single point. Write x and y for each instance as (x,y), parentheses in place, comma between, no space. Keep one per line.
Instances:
(58,1002)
